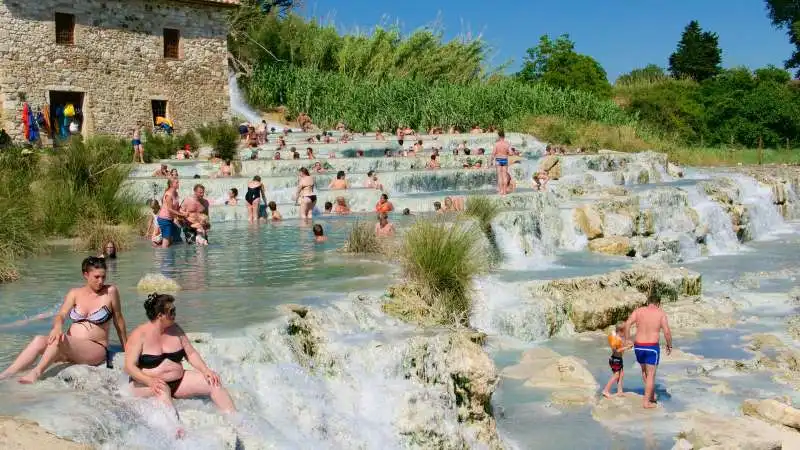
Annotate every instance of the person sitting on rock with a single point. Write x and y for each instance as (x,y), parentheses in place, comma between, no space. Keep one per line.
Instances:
(616,363)
(549,169)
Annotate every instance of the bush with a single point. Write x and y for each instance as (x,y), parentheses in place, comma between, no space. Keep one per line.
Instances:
(190,139)
(223,137)
(93,235)
(439,262)
(8,271)
(362,239)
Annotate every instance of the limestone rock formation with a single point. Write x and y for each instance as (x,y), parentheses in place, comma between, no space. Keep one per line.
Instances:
(674,170)
(625,411)
(22,434)
(589,221)
(593,303)
(470,378)
(615,245)
(773,411)
(567,377)
(156,282)
(793,327)
(699,313)
(709,431)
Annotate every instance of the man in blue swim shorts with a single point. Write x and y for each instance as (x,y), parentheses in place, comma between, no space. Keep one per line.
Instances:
(650,321)
(500,156)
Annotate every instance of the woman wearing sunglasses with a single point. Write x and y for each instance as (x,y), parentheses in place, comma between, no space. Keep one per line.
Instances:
(154,356)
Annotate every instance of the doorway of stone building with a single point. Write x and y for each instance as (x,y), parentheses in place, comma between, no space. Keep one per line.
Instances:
(159,108)
(66,114)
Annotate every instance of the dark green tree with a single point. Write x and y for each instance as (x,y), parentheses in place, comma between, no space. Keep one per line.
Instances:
(698,55)
(786,14)
(556,63)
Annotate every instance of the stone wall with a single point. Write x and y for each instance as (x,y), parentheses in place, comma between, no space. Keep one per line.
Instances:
(117,61)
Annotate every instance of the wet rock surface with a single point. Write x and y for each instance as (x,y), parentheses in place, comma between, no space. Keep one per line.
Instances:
(594,303)
(567,378)
(21,434)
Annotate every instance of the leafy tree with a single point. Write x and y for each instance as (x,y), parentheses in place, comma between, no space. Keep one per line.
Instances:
(556,63)
(698,55)
(786,14)
(649,74)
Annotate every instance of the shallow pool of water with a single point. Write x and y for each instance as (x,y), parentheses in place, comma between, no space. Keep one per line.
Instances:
(239,279)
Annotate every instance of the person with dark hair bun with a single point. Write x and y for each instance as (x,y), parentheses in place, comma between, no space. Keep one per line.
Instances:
(154,355)
(91,309)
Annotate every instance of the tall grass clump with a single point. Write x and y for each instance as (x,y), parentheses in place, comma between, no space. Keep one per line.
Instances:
(85,180)
(484,210)
(94,234)
(439,262)
(18,229)
(362,239)
(330,97)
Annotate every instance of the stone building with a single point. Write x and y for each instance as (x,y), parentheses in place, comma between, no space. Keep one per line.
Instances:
(117,62)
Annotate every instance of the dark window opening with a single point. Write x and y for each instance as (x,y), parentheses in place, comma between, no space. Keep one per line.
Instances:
(66,114)
(159,110)
(65,29)
(172,43)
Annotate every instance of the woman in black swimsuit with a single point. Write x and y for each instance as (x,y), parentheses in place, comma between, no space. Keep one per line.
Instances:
(254,197)
(305,194)
(153,358)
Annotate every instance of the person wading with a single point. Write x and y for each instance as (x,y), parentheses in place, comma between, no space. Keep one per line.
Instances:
(650,321)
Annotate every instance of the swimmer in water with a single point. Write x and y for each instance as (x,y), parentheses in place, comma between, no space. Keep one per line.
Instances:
(384,205)
(384,228)
(274,215)
(319,233)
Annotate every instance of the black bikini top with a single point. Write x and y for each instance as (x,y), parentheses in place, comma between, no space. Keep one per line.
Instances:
(153,361)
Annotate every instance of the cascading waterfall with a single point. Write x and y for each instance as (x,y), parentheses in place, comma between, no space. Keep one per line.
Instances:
(763,218)
(339,379)
(498,311)
(529,239)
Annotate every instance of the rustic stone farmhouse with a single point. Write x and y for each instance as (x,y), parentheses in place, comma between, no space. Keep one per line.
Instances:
(102,66)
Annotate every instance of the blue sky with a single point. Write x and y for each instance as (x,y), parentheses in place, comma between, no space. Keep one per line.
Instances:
(621,34)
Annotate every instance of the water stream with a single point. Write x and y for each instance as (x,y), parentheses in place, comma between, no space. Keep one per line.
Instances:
(358,391)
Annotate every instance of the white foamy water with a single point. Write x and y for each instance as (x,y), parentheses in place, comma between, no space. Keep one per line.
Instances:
(240,108)
(764,219)
(363,388)
(506,310)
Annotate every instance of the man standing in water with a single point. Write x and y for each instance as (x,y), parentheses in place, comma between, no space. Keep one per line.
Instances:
(192,207)
(500,158)
(649,320)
